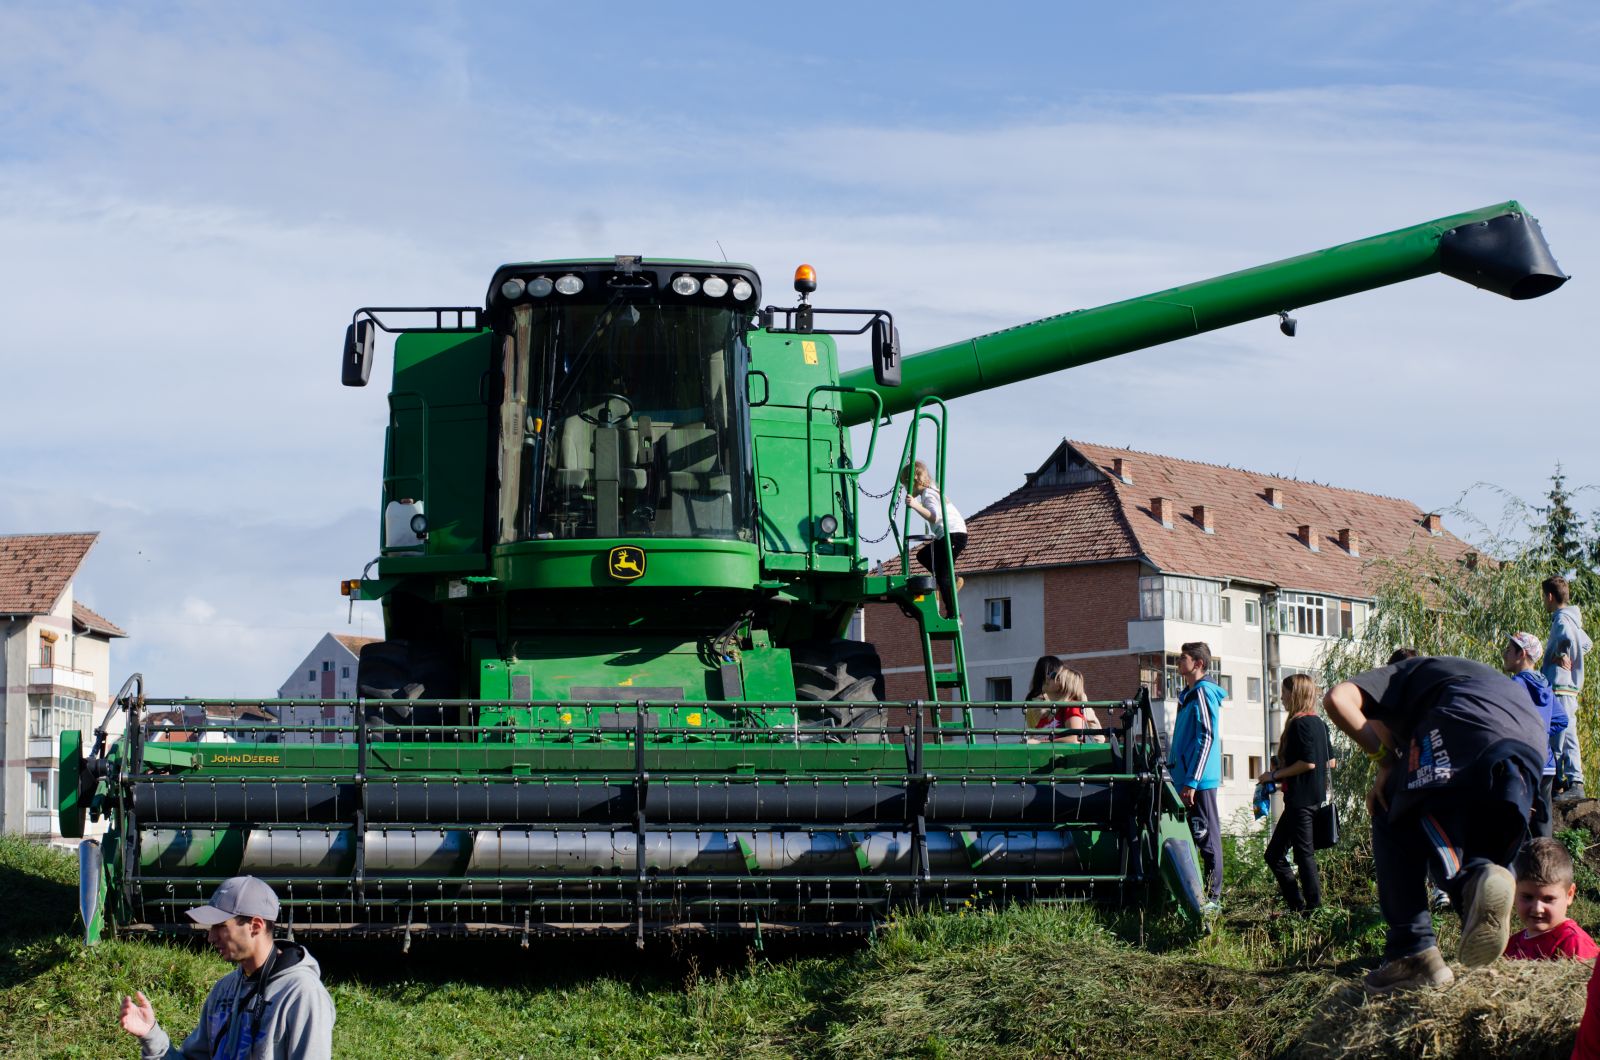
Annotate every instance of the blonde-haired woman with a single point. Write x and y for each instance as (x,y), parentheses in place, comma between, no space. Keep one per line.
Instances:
(1055,682)
(1304,752)
(943,520)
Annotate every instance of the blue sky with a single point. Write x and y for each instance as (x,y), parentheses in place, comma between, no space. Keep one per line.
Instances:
(194,197)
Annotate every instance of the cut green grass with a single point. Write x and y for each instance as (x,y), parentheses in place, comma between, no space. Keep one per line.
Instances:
(1028,982)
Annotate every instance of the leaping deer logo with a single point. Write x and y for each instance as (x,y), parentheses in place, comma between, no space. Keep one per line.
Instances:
(627,563)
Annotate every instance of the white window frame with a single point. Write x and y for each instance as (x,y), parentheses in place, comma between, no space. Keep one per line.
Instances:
(1179,599)
(990,688)
(996,613)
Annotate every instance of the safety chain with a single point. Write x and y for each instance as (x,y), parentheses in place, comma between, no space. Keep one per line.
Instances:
(894,504)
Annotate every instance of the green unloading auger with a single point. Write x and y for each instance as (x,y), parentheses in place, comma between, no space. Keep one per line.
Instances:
(618,555)
(1498,248)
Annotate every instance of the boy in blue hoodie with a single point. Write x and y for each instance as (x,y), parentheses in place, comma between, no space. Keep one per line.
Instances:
(1563,668)
(1522,653)
(1197,760)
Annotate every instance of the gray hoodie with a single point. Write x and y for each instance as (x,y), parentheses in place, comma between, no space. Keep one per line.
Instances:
(293,1022)
(1566,637)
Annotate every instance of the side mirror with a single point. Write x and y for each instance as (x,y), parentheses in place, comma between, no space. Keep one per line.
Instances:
(885,352)
(356,363)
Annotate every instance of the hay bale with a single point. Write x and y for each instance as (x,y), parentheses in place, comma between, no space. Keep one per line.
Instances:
(1512,1009)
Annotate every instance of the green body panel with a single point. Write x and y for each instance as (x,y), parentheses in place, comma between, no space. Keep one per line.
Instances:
(69,803)
(1089,335)
(669,562)
(438,435)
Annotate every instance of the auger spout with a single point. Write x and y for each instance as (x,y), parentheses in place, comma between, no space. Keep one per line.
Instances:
(1499,248)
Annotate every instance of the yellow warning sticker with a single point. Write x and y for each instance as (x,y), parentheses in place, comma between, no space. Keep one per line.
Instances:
(809,348)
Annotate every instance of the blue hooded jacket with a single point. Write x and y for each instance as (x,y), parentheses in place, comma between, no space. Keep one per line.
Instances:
(1197,736)
(1566,636)
(1550,709)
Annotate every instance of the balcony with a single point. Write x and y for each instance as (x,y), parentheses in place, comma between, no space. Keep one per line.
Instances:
(40,823)
(47,678)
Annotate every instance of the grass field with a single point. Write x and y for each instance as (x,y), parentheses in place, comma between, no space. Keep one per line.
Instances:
(1014,983)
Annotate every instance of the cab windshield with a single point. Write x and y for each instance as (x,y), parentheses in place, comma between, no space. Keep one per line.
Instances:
(622,419)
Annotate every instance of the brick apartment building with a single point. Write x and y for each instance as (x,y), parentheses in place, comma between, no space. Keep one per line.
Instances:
(1113,558)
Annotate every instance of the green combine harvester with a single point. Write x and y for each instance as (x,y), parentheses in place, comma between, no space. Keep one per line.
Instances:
(621,547)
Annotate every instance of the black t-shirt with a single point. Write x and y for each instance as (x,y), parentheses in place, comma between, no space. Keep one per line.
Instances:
(1454,721)
(1305,739)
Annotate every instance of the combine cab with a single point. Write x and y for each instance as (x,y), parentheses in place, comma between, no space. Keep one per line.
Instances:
(619,550)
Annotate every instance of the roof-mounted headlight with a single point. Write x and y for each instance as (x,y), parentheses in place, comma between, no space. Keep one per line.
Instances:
(540,286)
(569,284)
(742,290)
(715,286)
(513,288)
(685,285)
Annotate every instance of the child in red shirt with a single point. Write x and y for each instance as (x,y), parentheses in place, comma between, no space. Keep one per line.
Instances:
(1544,890)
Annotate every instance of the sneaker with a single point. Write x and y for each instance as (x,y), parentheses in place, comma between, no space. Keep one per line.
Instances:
(1211,908)
(1486,915)
(960,581)
(1571,795)
(1417,972)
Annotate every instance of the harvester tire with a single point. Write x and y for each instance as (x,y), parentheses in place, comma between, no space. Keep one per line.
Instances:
(840,672)
(404,671)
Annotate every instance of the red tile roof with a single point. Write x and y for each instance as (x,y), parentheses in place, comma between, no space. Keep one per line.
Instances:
(1074,509)
(36,568)
(355,644)
(93,622)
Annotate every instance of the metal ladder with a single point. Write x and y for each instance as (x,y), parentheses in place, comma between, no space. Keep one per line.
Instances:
(933,628)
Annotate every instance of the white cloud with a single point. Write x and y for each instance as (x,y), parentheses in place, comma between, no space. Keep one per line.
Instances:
(193,206)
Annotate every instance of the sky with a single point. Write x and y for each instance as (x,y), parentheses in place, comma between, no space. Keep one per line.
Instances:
(195,197)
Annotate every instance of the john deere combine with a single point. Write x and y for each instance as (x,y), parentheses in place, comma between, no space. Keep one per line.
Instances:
(621,546)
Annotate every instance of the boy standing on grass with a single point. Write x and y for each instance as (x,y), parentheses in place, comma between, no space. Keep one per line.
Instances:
(1197,761)
(1520,656)
(1563,668)
(1544,890)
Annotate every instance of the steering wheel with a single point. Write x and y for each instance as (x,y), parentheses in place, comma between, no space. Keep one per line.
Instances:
(605,408)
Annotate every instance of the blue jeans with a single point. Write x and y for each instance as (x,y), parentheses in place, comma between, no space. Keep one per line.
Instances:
(1448,838)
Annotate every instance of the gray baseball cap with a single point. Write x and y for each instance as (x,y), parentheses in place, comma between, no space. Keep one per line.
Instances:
(239,896)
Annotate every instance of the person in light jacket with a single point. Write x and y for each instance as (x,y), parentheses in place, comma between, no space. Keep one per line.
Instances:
(273,1006)
(1197,761)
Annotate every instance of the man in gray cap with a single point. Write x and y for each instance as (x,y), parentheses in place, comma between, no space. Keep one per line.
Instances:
(272,1006)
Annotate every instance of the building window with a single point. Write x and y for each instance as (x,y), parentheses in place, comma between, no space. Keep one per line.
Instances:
(1252,689)
(1252,613)
(327,666)
(47,653)
(1180,599)
(344,672)
(49,716)
(1227,610)
(998,689)
(1227,767)
(311,675)
(998,614)
(1255,767)
(1225,681)
(39,789)
(1304,614)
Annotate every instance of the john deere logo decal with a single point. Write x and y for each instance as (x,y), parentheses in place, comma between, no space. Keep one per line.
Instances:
(626,563)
